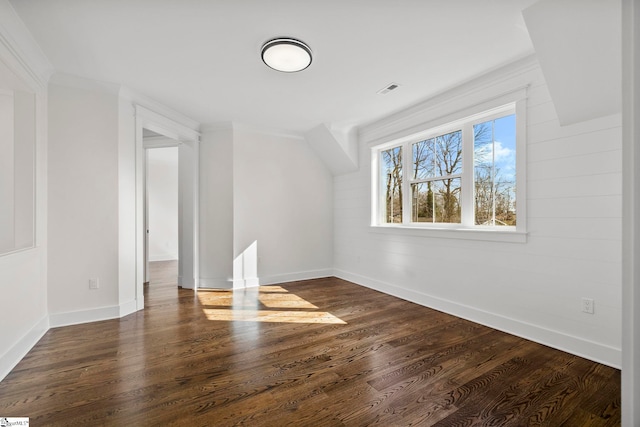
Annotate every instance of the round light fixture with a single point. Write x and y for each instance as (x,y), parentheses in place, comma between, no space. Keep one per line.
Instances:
(286,54)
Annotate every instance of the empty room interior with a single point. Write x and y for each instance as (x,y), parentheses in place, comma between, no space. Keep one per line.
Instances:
(331,213)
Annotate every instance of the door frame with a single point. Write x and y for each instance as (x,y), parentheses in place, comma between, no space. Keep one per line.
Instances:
(188,141)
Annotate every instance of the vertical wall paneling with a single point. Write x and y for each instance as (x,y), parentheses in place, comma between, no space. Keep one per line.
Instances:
(532,289)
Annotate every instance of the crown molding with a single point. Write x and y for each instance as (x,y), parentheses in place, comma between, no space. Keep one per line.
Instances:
(20,52)
(216,127)
(244,127)
(494,83)
(280,133)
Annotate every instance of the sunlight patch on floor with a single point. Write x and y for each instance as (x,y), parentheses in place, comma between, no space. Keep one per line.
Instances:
(262,304)
(275,316)
(285,301)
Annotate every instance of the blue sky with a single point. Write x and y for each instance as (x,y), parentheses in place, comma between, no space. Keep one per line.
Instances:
(505,146)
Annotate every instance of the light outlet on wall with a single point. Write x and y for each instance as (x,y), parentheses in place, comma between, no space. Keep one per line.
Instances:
(587,305)
(93,283)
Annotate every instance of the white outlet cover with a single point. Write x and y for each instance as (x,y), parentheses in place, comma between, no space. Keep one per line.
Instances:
(587,305)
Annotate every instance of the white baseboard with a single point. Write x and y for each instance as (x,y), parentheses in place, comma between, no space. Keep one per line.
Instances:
(245,283)
(163,257)
(93,315)
(294,277)
(128,308)
(571,344)
(15,353)
(215,283)
(84,316)
(186,282)
(251,282)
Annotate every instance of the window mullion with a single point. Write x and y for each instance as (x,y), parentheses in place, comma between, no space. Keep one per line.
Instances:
(467,196)
(521,164)
(437,178)
(380,194)
(407,171)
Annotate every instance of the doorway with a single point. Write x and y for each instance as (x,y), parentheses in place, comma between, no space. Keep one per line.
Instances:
(167,133)
(161,202)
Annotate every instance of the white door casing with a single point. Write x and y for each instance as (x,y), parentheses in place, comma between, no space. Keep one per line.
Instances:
(188,142)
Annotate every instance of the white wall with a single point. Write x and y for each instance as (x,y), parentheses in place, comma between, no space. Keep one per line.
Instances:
(24,152)
(188,171)
(23,289)
(162,187)
(17,162)
(266,209)
(283,201)
(83,201)
(631,214)
(532,289)
(23,286)
(96,198)
(7,222)
(127,297)
(216,207)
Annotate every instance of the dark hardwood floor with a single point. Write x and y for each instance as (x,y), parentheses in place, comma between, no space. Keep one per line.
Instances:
(320,352)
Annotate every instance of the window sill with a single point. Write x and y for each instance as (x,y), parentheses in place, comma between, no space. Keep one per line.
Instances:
(490,235)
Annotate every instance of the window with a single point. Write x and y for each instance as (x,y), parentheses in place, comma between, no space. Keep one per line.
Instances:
(459,176)
(494,172)
(392,177)
(436,179)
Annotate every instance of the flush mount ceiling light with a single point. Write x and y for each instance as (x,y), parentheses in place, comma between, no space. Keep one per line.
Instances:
(286,54)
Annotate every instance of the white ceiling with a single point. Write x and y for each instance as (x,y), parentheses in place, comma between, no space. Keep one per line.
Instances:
(202,57)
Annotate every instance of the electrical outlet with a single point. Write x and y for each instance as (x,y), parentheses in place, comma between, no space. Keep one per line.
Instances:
(93,283)
(587,305)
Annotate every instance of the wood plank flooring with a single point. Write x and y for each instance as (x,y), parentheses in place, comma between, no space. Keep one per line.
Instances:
(320,352)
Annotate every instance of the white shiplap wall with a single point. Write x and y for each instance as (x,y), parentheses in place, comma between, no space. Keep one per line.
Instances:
(531,289)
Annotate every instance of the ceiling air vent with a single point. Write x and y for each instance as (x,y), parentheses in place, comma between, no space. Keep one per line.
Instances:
(388,88)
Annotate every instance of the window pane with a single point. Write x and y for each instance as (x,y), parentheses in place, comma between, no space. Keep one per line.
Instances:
(423,159)
(436,201)
(391,179)
(439,156)
(448,153)
(495,172)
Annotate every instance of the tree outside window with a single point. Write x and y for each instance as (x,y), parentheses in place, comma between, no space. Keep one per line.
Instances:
(436,182)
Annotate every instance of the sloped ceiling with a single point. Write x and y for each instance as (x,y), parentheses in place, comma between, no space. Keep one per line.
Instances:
(578,45)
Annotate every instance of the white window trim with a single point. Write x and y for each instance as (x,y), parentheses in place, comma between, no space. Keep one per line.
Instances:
(505,104)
